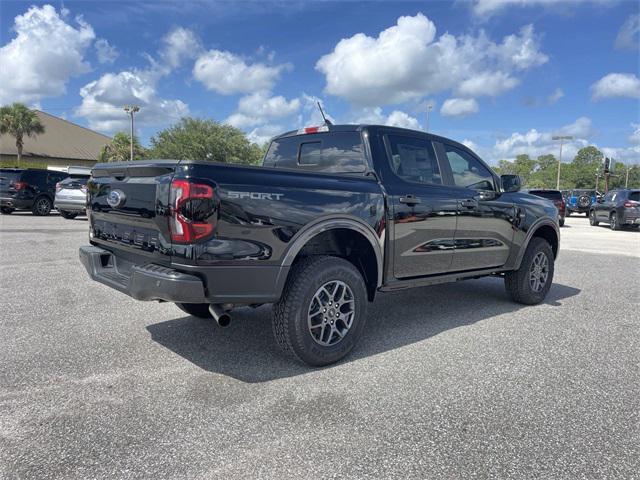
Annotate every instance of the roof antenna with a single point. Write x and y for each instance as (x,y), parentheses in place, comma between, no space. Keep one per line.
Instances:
(326,120)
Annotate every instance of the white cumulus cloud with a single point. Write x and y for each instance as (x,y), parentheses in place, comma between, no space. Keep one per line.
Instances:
(396,118)
(490,84)
(406,61)
(178,45)
(227,74)
(46,52)
(103,100)
(459,107)
(105,52)
(616,85)
(260,107)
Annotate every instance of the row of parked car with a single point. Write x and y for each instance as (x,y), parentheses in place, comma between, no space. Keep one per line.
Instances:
(41,191)
(619,208)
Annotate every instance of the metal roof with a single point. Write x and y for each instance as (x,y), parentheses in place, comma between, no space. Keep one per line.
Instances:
(61,139)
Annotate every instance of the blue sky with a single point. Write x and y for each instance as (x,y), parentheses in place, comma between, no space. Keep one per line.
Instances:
(501,75)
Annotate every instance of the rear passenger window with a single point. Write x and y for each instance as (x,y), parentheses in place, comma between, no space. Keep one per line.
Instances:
(634,196)
(413,159)
(334,152)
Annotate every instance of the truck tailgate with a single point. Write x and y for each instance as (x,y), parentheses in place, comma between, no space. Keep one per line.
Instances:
(128,208)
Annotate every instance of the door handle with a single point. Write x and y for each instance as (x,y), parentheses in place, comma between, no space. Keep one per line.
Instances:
(468,203)
(409,199)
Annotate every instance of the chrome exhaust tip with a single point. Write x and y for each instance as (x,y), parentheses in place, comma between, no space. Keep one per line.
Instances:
(222,317)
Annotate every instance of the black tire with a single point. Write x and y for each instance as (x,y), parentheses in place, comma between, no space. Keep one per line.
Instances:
(561,222)
(68,215)
(613,221)
(292,318)
(200,310)
(586,214)
(41,206)
(518,283)
(6,210)
(592,219)
(568,213)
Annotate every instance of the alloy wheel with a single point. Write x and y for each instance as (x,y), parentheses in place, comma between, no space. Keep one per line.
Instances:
(331,313)
(42,207)
(539,272)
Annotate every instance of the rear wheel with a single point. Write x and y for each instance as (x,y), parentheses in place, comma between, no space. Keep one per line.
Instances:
(67,215)
(561,222)
(531,282)
(6,210)
(200,310)
(41,207)
(613,222)
(592,219)
(322,312)
(568,213)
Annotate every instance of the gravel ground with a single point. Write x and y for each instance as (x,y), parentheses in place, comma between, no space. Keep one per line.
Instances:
(452,381)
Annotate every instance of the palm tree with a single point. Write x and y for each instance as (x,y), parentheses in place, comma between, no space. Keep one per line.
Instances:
(17,120)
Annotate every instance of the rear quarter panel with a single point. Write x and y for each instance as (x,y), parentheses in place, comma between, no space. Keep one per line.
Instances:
(262,210)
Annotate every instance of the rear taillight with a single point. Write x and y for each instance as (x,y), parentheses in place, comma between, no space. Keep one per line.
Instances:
(20,185)
(630,204)
(192,211)
(58,187)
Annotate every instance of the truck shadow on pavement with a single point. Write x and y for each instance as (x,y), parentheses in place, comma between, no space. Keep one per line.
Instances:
(246,350)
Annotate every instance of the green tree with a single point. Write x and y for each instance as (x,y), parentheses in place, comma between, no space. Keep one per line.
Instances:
(584,166)
(18,121)
(199,139)
(523,165)
(119,149)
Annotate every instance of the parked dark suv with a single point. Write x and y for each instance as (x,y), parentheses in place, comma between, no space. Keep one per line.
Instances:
(28,189)
(580,200)
(556,197)
(618,208)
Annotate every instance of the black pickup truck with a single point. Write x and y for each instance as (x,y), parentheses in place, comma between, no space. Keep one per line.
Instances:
(334,215)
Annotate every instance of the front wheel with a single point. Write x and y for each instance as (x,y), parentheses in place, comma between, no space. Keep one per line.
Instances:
(568,213)
(592,219)
(531,282)
(67,215)
(561,222)
(41,207)
(322,312)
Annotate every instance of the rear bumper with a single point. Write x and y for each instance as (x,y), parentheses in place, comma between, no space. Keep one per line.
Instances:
(630,219)
(17,203)
(70,205)
(142,282)
(185,283)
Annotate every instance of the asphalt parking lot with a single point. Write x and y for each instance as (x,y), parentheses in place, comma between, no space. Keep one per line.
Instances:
(452,381)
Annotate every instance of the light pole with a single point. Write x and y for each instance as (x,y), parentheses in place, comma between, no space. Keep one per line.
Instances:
(626,179)
(131,110)
(429,108)
(562,139)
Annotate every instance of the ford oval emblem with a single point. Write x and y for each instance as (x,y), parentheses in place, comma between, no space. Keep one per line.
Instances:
(116,198)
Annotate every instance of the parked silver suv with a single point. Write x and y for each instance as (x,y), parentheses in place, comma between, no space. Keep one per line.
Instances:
(71,196)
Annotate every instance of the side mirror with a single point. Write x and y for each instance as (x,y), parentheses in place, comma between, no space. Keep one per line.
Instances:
(510,183)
